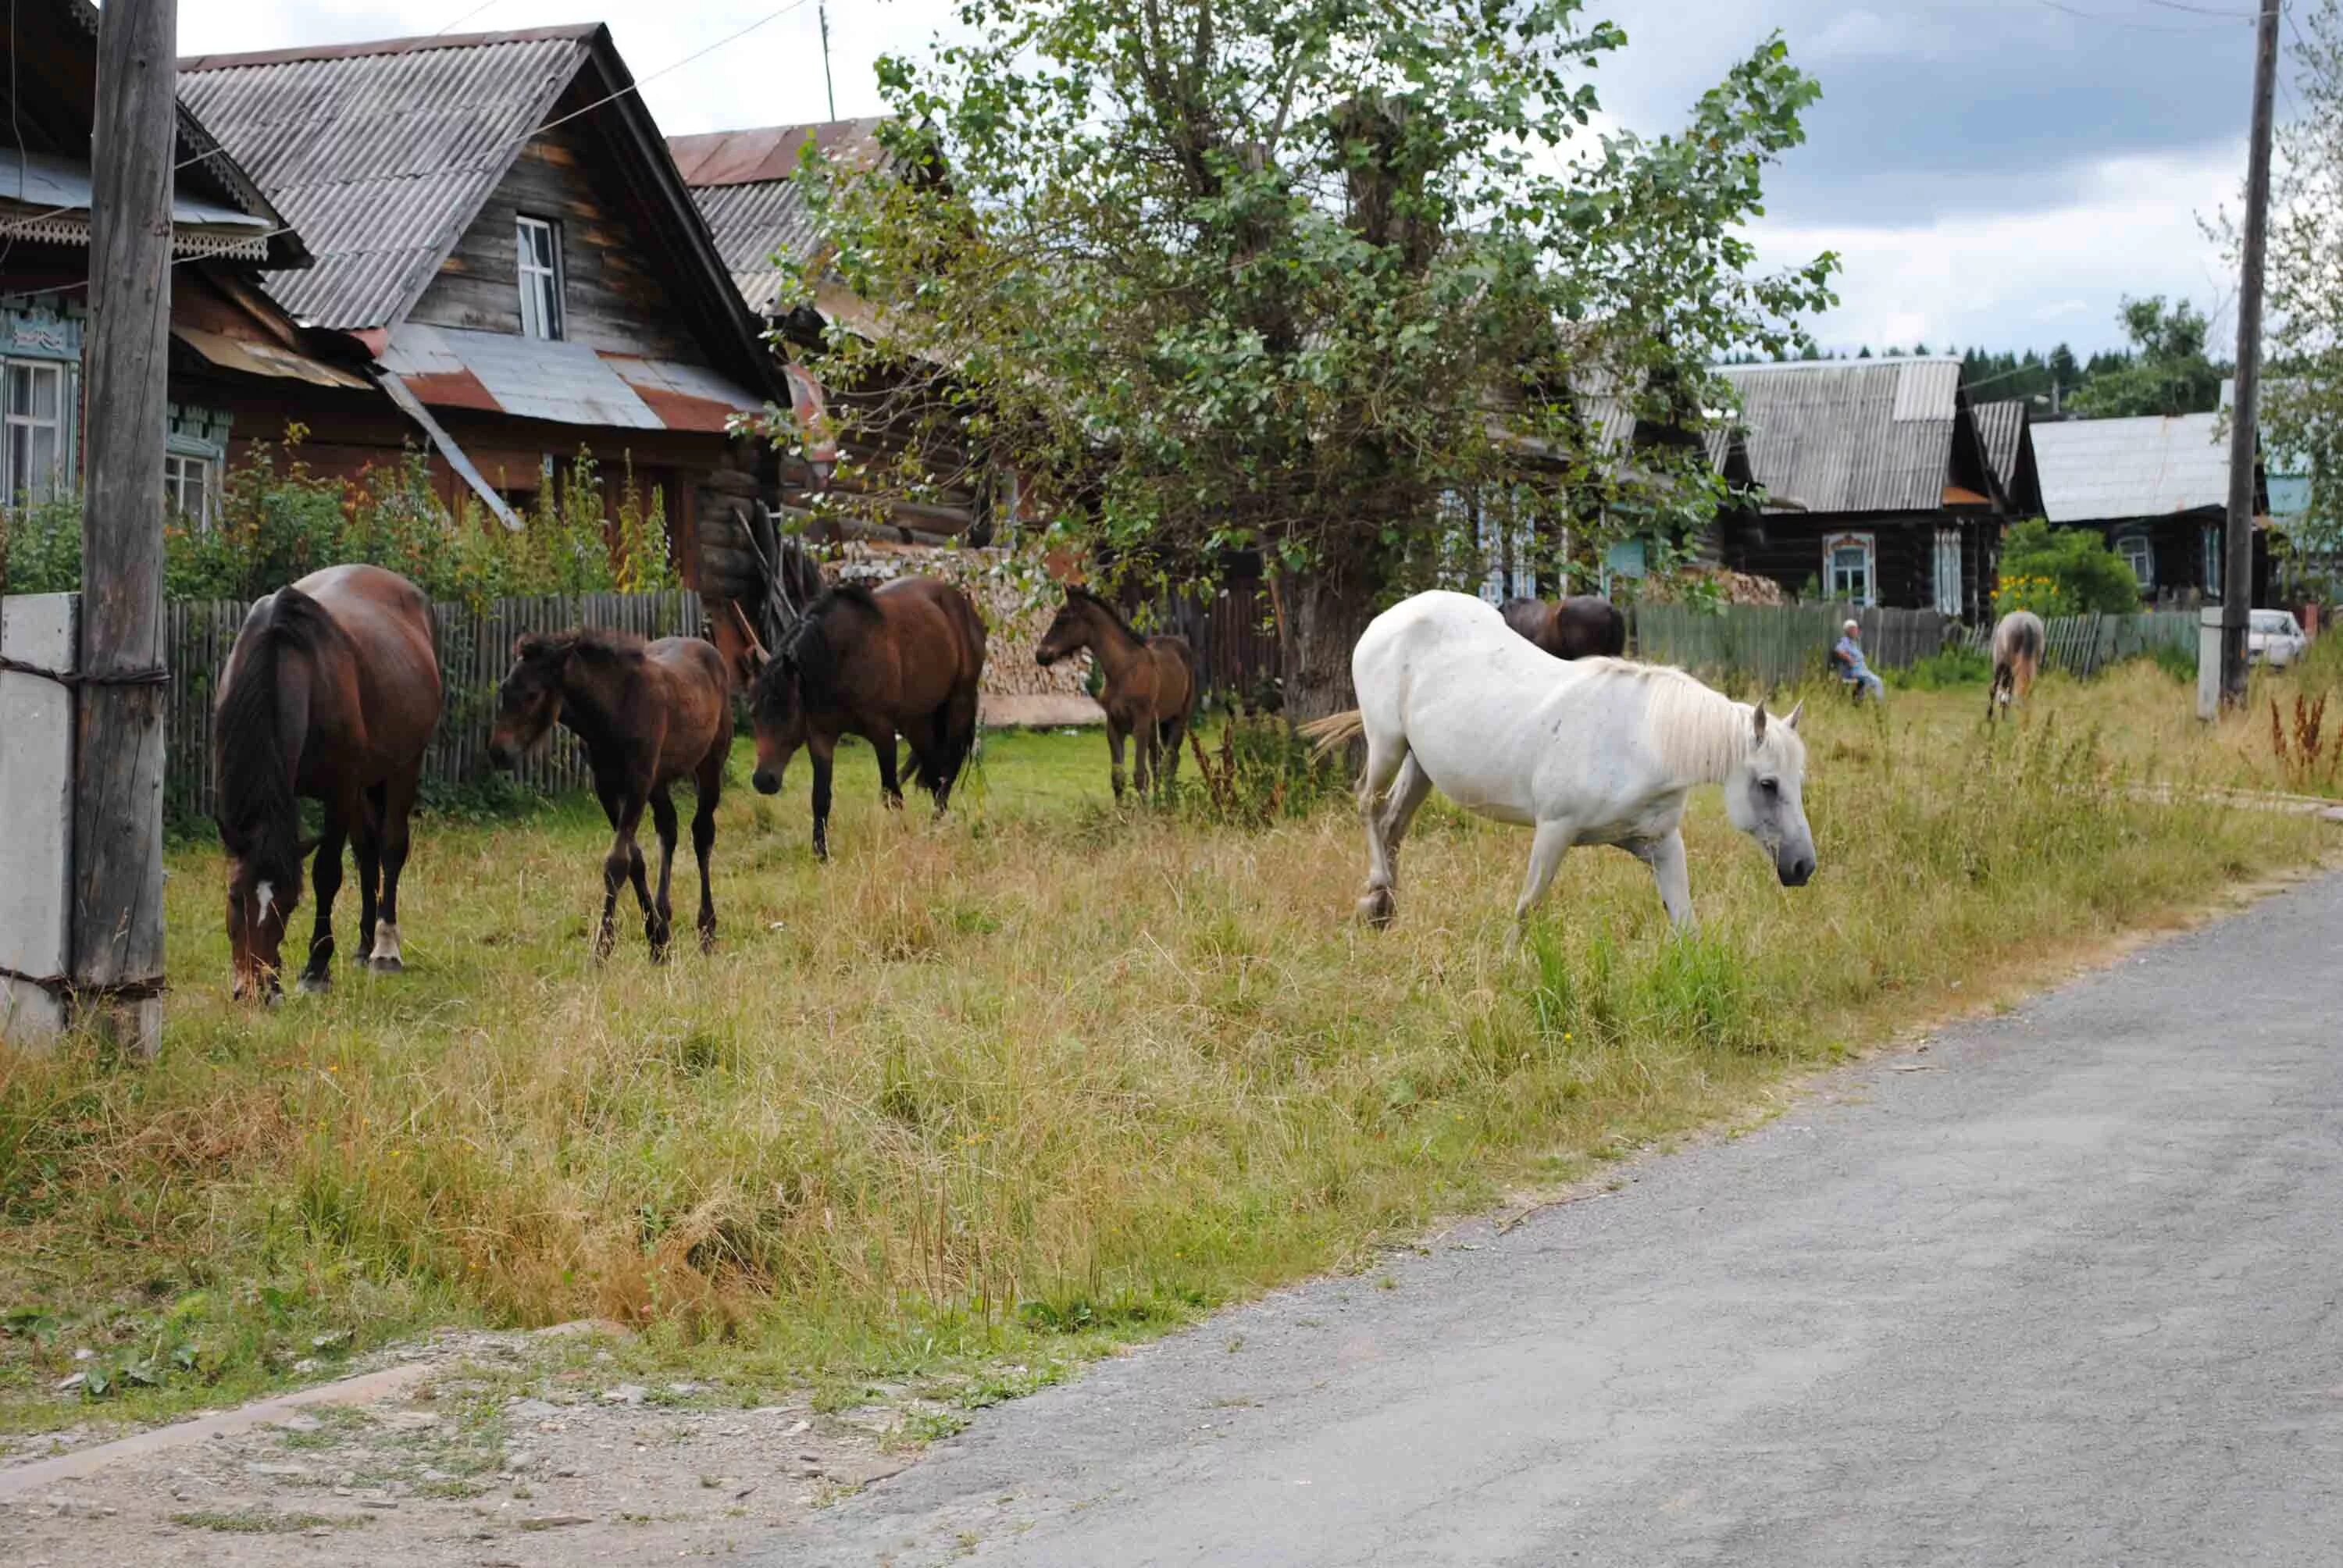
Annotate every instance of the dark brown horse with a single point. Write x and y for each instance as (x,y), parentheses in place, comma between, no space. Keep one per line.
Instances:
(906,660)
(1150,684)
(649,714)
(330,694)
(1580,626)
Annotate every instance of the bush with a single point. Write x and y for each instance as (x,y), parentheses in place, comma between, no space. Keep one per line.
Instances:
(2062,571)
(1261,772)
(1955,665)
(2180,663)
(278,521)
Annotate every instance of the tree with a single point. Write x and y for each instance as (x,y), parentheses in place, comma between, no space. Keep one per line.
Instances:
(1309,278)
(2302,412)
(2166,371)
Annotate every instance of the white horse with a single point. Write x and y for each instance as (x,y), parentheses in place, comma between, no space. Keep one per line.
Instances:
(1589,752)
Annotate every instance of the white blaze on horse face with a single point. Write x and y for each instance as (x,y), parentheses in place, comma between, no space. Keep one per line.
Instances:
(263,897)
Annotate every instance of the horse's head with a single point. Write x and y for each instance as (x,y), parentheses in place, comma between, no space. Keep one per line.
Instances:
(529,703)
(777,712)
(1762,796)
(1068,633)
(264,885)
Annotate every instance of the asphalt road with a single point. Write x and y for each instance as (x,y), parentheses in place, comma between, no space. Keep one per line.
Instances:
(2067,1294)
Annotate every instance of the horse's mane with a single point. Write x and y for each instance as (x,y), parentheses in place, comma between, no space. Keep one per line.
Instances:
(259,817)
(1700,733)
(812,652)
(593,642)
(1108,610)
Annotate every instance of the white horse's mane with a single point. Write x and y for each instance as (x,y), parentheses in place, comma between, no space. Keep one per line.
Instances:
(1701,734)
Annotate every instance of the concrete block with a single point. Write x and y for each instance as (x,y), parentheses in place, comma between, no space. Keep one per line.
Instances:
(36,748)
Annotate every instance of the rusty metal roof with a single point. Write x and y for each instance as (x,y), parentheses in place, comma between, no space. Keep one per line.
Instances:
(1846,436)
(742,182)
(380,154)
(568,383)
(252,359)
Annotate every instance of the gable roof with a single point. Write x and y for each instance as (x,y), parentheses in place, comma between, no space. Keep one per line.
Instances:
(382,152)
(2001,427)
(216,208)
(1846,436)
(2099,470)
(742,182)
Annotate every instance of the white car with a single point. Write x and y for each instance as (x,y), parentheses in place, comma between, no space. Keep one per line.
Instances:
(2273,637)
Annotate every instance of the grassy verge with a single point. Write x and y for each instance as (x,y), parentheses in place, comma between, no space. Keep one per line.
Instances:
(979,1097)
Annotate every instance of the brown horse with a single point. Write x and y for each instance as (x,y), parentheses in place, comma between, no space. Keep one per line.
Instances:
(1150,684)
(331,694)
(906,660)
(1580,626)
(2017,640)
(649,714)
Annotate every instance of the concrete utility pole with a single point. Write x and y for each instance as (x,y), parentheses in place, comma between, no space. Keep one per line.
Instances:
(117,913)
(2238,574)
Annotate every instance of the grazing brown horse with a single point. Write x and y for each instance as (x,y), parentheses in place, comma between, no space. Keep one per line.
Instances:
(1580,626)
(331,694)
(649,713)
(907,658)
(1150,684)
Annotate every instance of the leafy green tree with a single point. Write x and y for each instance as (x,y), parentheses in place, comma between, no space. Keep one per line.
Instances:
(2062,571)
(2166,371)
(1305,277)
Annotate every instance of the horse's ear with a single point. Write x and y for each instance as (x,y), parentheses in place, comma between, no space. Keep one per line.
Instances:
(1792,721)
(1758,709)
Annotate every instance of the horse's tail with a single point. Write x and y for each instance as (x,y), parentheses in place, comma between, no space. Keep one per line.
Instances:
(257,733)
(1332,733)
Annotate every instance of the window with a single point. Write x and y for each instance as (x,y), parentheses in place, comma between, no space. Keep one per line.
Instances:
(190,487)
(1948,572)
(2212,560)
(2138,553)
(540,243)
(1847,568)
(34,455)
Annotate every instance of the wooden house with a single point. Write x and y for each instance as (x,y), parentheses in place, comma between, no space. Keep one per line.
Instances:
(503,244)
(1877,484)
(231,345)
(2158,489)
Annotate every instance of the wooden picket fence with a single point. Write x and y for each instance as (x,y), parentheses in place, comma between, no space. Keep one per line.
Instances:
(475,646)
(1775,644)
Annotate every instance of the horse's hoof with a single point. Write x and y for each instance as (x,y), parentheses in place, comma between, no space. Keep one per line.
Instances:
(386,965)
(316,984)
(1378,908)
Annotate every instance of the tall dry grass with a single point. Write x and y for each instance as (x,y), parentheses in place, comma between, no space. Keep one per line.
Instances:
(1041,1069)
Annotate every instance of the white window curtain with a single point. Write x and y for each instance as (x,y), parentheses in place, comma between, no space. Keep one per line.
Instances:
(1949,595)
(538,243)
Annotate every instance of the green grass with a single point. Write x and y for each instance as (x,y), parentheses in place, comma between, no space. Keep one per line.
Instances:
(998,1092)
(263,1522)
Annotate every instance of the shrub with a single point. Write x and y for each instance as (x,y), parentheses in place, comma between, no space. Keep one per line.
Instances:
(1261,772)
(1956,664)
(279,520)
(2062,571)
(2180,663)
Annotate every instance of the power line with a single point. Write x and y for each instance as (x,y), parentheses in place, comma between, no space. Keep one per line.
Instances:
(2235,19)
(2204,10)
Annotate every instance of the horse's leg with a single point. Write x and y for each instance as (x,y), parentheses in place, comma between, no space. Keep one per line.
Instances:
(325,882)
(398,807)
(1546,851)
(1114,734)
(891,787)
(1175,735)
(658,921)
(624,806)
(1665,856)
(1386,758)
(703,839)
(366,843)
(955,729)
(821,751)
(1399,811)
(1142,760)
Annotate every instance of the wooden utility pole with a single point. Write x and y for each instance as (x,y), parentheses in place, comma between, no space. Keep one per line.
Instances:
(118,915)
(2238,572)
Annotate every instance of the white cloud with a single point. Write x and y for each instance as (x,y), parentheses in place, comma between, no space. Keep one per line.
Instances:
(1864,34)
(2029,279)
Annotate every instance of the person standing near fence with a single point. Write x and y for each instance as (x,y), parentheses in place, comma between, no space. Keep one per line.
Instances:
(1846,658)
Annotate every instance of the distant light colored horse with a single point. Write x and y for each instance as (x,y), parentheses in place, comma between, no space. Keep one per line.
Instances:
(1588,751)
(2018,642)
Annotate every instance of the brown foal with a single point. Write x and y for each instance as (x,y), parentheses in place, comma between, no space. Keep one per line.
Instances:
(1150,684)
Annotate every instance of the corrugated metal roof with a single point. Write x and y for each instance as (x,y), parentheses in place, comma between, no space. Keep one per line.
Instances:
(2001,425)
(742,182)
(381,154)
(2096,470)
(1839,436)
(568,383)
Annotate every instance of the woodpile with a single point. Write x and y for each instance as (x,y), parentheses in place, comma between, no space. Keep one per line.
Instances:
(1012,593)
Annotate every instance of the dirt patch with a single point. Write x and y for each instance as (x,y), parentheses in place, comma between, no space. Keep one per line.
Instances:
(488,1458)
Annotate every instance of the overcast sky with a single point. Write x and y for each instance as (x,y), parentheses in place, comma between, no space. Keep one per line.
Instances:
(1995,172)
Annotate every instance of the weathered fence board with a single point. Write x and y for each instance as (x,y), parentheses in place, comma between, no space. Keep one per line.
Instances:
(475,649)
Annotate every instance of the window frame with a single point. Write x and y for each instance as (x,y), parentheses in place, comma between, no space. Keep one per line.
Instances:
(204,464)
(1869,545)
(1951,597)
(60,424)
(2126,545)
(542,287)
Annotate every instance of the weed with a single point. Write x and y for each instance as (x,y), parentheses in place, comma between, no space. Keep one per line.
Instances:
(265,1521)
